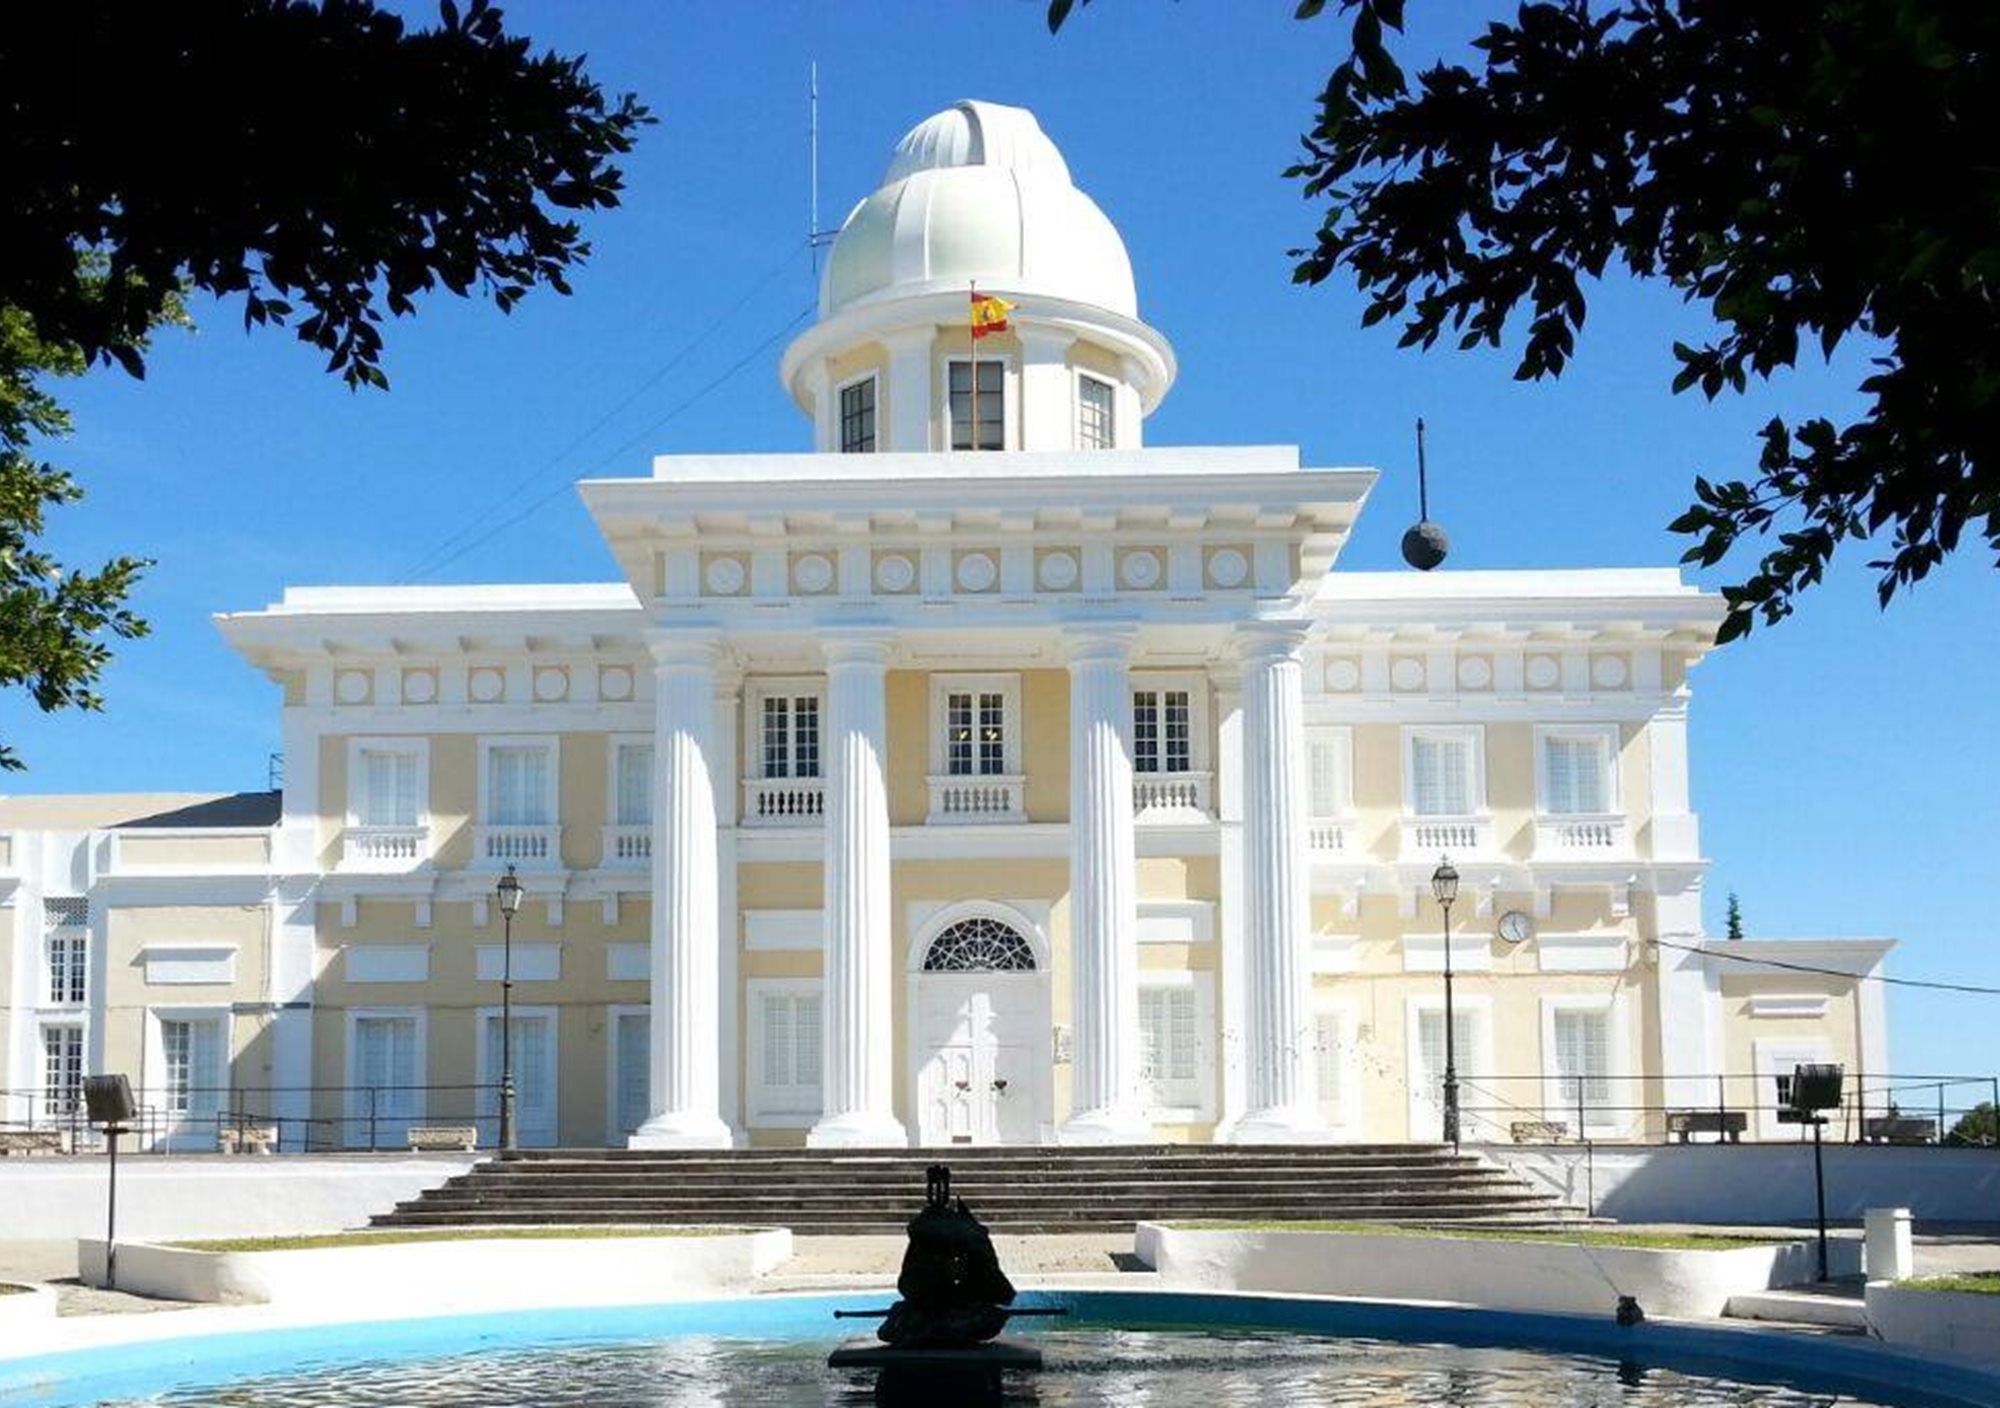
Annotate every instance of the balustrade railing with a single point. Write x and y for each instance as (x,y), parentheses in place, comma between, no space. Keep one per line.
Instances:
(784,801)
(384,847)
(628,847)
(1329,835)
(970,800)
(1170,796)
(1428,837)
(526,846)
(1598,837)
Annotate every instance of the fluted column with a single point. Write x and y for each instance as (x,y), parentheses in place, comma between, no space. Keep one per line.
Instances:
(687,939)
(1103,892)
(857,1011)
(1280,1102)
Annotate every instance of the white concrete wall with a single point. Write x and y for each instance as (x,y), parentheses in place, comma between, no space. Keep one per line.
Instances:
(21,1312)
(1524,1275)
(1956,1322)
(1764,1183)
(163,1196)
(444,1278)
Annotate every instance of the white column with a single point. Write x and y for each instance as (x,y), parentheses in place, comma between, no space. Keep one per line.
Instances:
(1280,1103)
(722,772)
(1105,1103)
(909,384)
(687,938)
(1048,401)
(1228,682)
(857,1012)
(1690,1015)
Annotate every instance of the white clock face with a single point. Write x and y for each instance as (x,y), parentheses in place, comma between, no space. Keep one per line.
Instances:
(1516,927)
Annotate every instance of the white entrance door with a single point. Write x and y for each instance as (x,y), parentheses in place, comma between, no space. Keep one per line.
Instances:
(534,1060)
(979,1080)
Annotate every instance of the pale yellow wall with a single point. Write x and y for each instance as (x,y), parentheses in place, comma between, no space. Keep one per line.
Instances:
(127,996)
(1840,1027)
(252,851)
(1045,743)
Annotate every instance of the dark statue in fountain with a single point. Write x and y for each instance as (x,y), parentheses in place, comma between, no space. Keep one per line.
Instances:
(955,1300)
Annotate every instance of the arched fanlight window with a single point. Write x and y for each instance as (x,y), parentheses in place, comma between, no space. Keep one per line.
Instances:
(979,945)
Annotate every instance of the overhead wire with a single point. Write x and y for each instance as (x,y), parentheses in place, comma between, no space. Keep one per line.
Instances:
(448,548)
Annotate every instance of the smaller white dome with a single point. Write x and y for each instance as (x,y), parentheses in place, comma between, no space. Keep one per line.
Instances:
(978,193)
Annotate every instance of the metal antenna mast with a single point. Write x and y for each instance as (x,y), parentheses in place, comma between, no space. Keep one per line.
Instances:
(812,153)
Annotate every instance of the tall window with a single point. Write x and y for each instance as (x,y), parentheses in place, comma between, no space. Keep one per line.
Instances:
(1582,1054)
(857,417)
(62,1071)
(386,1076)
(1330,1056)
(1326,775)
(1095,428)
(517,786)
(1430,1043)
(788,1080)
(192,1065)
(635,784)
(791,735)
(1579,773)
(66,944)
(991,416)
(389,788)
(975,733)
(532,1040)
(1441,775)
(632,1069)
(1169,1045)
(1162,735)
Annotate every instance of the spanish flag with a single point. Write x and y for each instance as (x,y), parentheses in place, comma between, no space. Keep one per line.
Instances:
(989,314)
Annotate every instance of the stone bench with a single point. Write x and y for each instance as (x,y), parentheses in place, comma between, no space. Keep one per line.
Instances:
(1538,1131)
(443,1139)
(246,1138)
(31,1141)
(1685,1124)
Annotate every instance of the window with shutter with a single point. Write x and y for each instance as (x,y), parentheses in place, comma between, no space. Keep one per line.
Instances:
(1326,765)
(1330,1053)
(1583,1057)
(633,1069)
(386,1064)
(1170,1048)
(517,786)
(1578,770)
(389,789)
(1440,776)
(788,1041)
(62,1071)
(635,784)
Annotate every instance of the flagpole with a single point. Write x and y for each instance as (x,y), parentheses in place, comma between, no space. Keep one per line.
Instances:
(972,352)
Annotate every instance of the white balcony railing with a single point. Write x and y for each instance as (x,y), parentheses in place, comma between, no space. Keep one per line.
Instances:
(972,800)
(1425,838)
(384,847)
(1170,796)
(783,801)
(531,847)
(628,847)
(1329,835)
(1593,837)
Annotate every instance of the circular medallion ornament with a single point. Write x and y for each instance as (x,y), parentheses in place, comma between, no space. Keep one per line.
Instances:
(1057,572)
(351,687)
(976,572)
(1608,671)
(1543,672)
(551,684)
(1139,570)
(813,573)
(419,687)
(724,576)
(1475,672)
(894,573)
(1228,568)
(1342,675)
(486,685)
(1407,674)
(614,683)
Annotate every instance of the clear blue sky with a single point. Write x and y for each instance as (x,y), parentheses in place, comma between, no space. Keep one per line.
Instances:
(1843,762)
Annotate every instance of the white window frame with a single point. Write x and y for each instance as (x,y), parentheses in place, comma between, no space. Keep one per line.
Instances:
(488,1072)
(174,1132)
(1009,396)
(79,949)
(1474,1123)
(357,773)
(1559,1103)
(1342,740)
(1341,1117)
(766,1106)
(1161,682)
(1008,687)
(614,1016)
(552,792)
(1607,736)
(1473,734)
(619,743)
(789,687)
(44,1093)
(1203,984)
(1081,441)
(357,1101)
(839,416)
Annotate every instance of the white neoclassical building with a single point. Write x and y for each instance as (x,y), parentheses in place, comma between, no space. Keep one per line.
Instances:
(983,775)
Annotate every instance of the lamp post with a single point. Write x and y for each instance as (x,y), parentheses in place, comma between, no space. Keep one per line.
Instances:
(1444,885)
(509,893)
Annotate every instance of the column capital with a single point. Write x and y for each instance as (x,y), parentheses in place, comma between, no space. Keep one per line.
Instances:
(685,647)
(1085,642)
(856,645)
(1270,642)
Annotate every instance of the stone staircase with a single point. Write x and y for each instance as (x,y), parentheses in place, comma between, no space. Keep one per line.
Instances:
(1012,1189)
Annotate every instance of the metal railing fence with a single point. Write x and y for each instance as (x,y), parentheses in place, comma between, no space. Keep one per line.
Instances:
(280,1119)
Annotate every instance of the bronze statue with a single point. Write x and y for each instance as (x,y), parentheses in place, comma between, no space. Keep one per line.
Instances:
(953,1291)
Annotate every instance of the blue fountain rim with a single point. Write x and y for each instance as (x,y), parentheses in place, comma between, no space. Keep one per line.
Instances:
(1816,1363)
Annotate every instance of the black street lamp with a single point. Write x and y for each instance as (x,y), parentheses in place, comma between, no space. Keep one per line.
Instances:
(509,893)
(1444,885)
